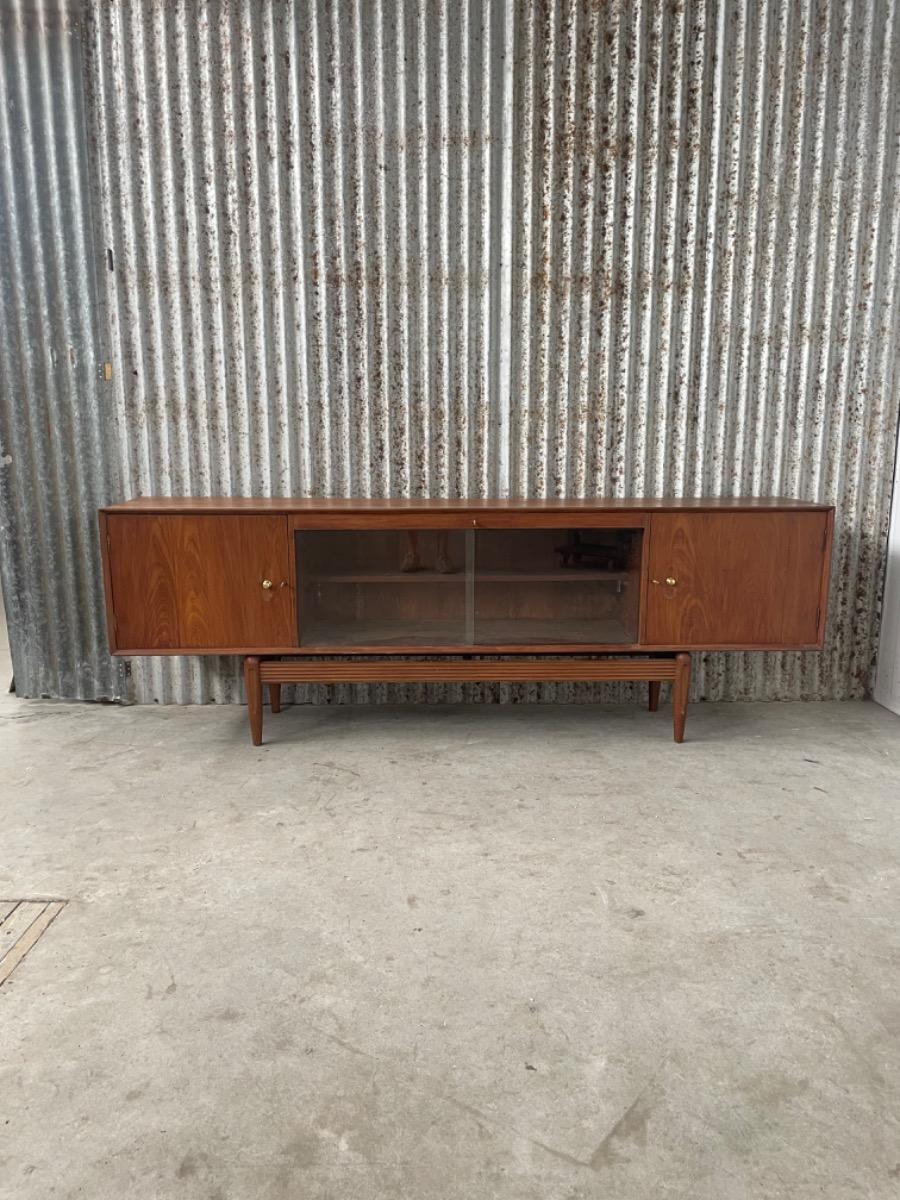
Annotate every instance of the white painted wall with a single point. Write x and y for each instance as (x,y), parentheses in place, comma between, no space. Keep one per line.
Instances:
(887,678)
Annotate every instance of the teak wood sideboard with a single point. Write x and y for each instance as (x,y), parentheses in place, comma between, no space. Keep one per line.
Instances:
(334,591)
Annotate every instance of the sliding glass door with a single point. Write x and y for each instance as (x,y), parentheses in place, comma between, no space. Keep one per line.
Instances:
(467,588)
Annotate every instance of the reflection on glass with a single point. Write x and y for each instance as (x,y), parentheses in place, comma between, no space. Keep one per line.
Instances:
(468,588)
(557,586)
(381,587)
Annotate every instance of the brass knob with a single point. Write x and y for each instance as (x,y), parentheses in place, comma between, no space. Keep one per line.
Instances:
(267,585)
(671,580)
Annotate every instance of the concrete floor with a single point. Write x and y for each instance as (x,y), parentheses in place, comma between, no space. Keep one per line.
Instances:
(439,953)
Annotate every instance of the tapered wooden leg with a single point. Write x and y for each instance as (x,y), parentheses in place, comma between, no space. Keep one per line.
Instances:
(680,690)
(254,698)
(275,697)
(655,685)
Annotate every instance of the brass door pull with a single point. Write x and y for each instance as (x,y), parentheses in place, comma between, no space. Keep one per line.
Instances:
(267,585)
(670,581)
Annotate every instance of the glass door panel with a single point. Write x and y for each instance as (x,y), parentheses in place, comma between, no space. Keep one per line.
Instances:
(557,586)
(383,587)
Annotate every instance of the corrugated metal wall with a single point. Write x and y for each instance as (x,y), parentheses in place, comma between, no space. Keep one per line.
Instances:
(56,447)
(421,248)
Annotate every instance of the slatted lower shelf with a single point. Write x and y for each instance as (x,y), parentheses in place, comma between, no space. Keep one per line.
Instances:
(449,670)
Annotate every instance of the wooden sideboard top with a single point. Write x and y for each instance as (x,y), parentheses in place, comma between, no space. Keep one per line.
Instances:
(292,504)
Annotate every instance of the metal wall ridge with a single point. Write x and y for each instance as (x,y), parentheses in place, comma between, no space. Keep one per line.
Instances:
(410,248)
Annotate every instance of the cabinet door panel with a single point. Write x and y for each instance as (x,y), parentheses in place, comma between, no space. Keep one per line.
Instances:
(741,579)
(195,582)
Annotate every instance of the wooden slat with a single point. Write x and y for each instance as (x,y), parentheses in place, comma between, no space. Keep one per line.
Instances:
(14,954)
(18,921)
(560,670)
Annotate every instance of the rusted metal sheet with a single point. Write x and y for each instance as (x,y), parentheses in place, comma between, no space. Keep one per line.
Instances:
(415,248)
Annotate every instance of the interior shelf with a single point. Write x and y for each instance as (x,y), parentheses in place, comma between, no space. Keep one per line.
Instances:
(572,575)
(457,577)
(488,632)
(575,575)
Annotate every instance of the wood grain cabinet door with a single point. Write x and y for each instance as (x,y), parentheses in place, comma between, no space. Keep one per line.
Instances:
(199,582)
(738,580)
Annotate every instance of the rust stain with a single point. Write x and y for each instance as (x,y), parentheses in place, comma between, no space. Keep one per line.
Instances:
(404,248)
